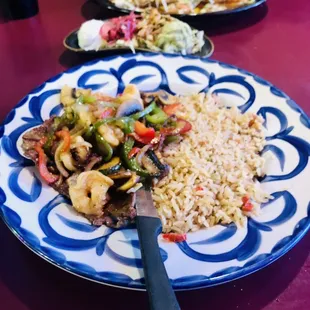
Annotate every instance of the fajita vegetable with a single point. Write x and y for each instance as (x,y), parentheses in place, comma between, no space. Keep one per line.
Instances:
(97,154)
(203,158)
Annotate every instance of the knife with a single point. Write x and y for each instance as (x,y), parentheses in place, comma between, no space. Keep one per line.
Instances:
(161,294)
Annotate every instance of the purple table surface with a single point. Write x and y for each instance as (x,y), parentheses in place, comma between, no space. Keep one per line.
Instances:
(273,42)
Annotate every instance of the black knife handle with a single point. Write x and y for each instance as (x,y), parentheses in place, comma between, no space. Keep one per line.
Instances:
(161,294)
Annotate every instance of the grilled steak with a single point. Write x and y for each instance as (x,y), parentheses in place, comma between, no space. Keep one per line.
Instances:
(117,213)
(32,137)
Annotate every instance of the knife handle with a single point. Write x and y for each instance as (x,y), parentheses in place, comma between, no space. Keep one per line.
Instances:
(161,294)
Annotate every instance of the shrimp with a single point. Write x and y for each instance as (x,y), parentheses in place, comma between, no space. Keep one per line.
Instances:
(109,135)
(88,192)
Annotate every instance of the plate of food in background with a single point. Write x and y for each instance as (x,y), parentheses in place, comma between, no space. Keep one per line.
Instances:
(183,8)
(149,32)
(227,152)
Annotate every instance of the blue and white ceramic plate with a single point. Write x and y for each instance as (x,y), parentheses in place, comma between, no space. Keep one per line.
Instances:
(46,223)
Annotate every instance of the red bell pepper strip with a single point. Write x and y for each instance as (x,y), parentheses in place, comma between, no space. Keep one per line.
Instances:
(65,136)
(133,152)
(245,199)
(45,174)
(139,139)
(145,133)
(174,237)
(109,112)
(171,108)
(247,205)
(143,140)
(182,126)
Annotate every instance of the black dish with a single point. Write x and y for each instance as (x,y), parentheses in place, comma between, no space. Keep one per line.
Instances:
(71,43)
(113,7)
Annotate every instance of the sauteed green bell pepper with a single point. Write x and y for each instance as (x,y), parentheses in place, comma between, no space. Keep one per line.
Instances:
(145,112)
(104,147)
(157,116)
(125,123)
(131,163)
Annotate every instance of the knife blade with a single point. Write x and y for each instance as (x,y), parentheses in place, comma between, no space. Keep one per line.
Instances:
(144,203)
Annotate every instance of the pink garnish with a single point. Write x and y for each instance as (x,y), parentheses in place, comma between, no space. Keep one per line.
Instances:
(119,28)
(105,30)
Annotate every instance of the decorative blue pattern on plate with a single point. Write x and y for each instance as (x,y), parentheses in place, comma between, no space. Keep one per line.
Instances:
(46,223)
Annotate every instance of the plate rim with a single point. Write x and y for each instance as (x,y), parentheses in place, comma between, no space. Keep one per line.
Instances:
(243,272)
(178,283)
